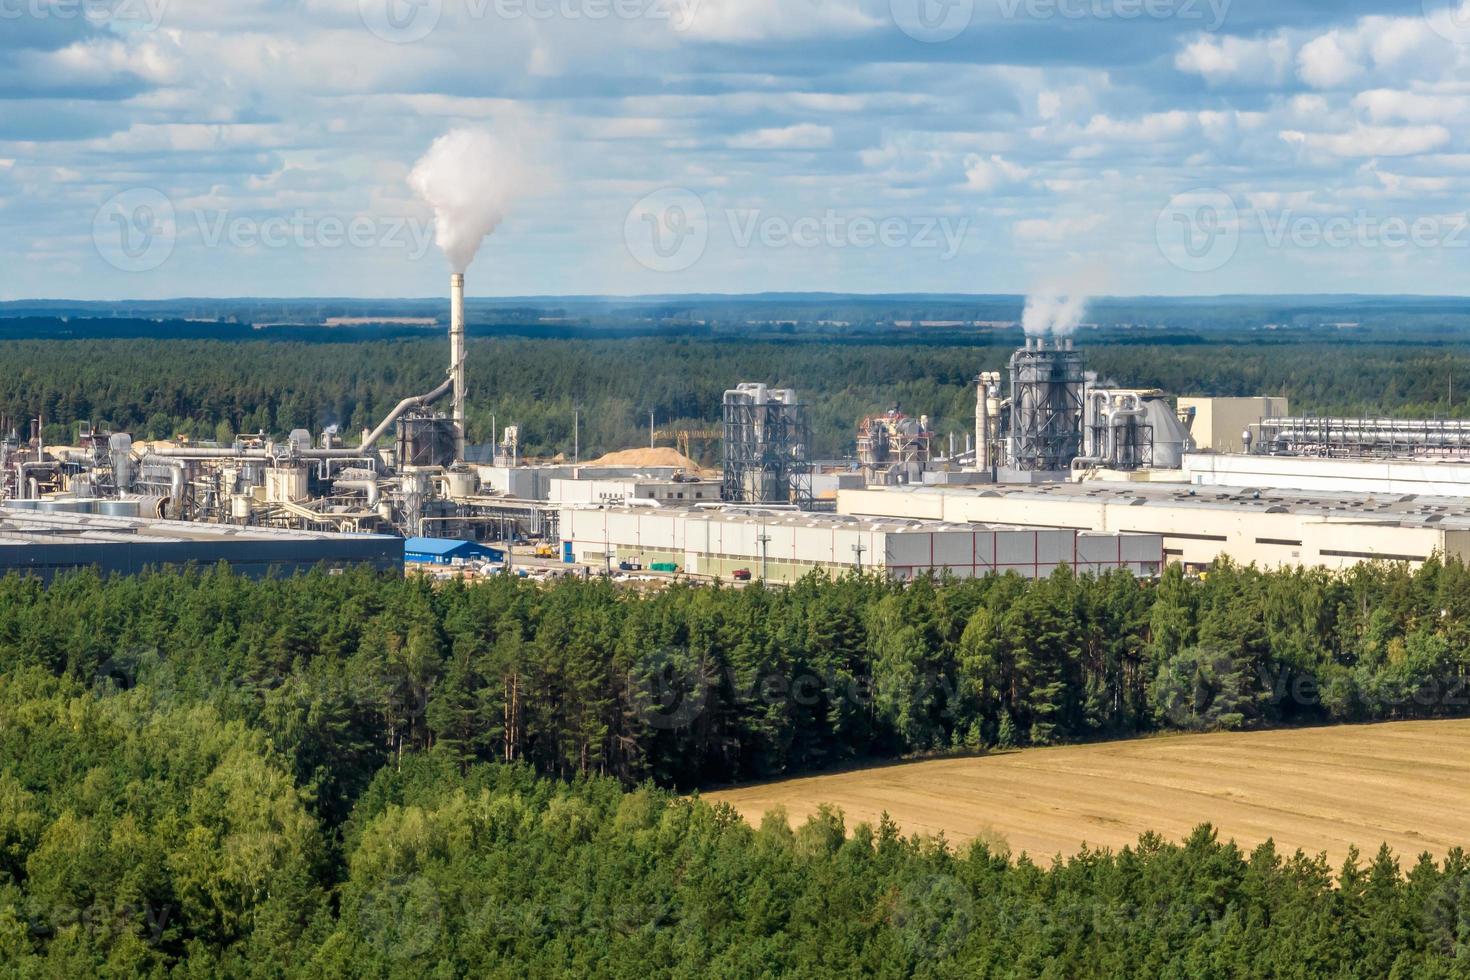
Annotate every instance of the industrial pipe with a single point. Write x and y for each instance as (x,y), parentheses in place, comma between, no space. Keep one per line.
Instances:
(370,487)
(178,478)
(21,469)
(457,359)
(419,401)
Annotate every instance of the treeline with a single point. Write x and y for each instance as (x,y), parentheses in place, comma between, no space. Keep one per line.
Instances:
(148,835)
(350,775)
(700,686)
(212,390)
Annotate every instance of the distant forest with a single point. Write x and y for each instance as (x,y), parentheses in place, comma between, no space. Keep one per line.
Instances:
(212,389)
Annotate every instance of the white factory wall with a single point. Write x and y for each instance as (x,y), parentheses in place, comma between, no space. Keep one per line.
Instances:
(535,482)
(1193,535)
(1397,477)
(714,545)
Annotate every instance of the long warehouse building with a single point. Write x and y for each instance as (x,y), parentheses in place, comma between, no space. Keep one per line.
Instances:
(1198,525)
(785,546)
(47,544)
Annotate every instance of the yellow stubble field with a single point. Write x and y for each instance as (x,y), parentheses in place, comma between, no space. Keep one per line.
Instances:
(1321,789)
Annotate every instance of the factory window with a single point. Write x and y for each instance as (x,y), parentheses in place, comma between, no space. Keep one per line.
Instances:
(1370,556)
(1280,542)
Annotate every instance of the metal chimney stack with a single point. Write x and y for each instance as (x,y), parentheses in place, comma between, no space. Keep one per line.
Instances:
(457,358)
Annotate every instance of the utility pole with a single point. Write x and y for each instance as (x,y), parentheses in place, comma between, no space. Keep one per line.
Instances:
(652,442)
(576,435)
(764,539)
(858,550)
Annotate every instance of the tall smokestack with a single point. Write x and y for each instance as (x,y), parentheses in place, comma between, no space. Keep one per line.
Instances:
(457,358)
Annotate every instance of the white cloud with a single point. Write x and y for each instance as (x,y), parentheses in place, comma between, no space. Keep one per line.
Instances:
(1058,231)
(743,21)
(1329,61)
(1395,105)
(1258,61)
(1373,141)
(803,136)
(986,175)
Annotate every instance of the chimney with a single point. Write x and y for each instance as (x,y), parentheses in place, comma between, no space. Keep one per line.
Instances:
(456,358)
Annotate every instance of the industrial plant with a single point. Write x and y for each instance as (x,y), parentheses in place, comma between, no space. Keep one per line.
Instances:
(1062,468)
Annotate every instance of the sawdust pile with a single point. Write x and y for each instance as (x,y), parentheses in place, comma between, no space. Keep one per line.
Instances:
(663,456)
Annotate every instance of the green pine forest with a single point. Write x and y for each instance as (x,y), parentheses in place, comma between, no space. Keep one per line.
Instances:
(213,389)
(354,775)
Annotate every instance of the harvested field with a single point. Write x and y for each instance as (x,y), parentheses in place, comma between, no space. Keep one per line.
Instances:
(1321,789)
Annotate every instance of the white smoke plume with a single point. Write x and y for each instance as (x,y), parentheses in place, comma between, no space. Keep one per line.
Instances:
(470,178)
(1057,307)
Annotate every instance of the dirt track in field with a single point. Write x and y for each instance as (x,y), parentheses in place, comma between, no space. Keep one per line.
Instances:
(1315,789)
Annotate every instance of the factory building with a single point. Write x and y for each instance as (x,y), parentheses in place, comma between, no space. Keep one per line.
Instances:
(1427,477)
(1217,425)
(447,551)
(784,546)
(536,482)
(684,490)
(1199,526)
(45,544)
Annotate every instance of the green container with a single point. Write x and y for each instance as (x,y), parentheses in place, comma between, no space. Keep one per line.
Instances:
(664,566)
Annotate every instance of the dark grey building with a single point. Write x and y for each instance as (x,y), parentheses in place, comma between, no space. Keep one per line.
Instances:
(44,544)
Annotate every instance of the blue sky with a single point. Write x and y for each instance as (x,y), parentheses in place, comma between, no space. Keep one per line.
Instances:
(160,148)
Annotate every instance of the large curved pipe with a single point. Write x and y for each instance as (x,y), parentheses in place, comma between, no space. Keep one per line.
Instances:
(370,487)
(420,401)
(178,478)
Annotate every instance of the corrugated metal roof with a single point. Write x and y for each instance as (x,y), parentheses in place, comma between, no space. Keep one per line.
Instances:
(435,546)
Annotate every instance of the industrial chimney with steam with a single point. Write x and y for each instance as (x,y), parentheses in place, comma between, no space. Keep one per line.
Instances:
(457,359)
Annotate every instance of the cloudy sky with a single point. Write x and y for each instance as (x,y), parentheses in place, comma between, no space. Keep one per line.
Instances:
(159,148)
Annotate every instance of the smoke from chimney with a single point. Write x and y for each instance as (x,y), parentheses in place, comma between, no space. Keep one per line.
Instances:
(469,177)
(1057,307)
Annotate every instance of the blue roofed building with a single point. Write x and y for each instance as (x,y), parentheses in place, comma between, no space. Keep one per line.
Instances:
(446,551)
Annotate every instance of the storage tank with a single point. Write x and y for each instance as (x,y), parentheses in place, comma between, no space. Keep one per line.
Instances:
(118,508)
(463,484)
(285,484)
